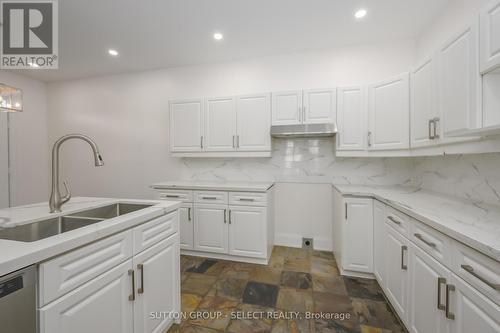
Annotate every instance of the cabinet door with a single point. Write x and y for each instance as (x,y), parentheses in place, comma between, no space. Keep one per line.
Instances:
(358,226)
(287,108)
(389,114)
(427,293)
(220,124)
(351,118)
(472,311)
(459,82)
(100,305)
(396,271)
(320,106)
(490,36)
(186,226)
(186,125)
(423,109)
(157,286)
(253,122)
(210,228)
(379,235)
(247,231)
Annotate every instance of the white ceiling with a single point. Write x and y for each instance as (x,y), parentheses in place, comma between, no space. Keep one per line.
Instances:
(153,34)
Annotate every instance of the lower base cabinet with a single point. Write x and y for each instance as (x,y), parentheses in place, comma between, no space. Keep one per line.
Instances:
(186,226)
(247,231)
(210,228)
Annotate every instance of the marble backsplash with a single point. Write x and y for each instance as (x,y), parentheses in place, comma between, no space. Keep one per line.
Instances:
(302,160)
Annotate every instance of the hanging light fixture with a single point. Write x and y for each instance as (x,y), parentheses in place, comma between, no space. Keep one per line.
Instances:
(11,99)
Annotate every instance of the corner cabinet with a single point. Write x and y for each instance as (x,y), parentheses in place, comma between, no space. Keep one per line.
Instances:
(388,114)
(490,36)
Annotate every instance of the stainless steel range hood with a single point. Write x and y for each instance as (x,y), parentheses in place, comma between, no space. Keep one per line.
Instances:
(304,131)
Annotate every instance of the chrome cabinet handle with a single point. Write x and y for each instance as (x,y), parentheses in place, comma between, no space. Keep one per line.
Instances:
(369,139)
(141,289)
(246,199)
(225,212)
(234,137)
(431,122)
(440,306)
(189,214)
(209,198)
(132,296)
(449,314)
(230,219)
(346,210)
(436,121)
(470,270)
(172,196)
(420,237)
(393,220)
(201,141)
(237,141)
(403,266)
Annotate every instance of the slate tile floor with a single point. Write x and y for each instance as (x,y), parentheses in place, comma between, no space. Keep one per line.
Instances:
(294,280)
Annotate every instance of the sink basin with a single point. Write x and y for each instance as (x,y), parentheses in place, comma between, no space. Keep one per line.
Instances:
(58,225)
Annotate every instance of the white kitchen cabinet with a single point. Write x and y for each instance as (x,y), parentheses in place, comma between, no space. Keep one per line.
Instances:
(319,106)
(396,271)
(186,226)
(157,286)
(100,305)
(351,118)
(428,279)
(247,231)
(490,36)
(469,310)
(459,81)
(186,125)
(358,256)
(287,107)
(379,235)
(210,228)
(423,108)
(388,114)
(220,124)
(253,122)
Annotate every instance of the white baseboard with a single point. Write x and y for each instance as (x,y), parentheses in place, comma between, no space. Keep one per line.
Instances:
(295,240)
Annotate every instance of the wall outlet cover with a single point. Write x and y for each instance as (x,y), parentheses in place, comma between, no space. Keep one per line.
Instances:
(307,243)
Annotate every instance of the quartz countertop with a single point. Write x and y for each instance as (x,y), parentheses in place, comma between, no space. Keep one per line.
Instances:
(222,186)
(474,224)
(15,255)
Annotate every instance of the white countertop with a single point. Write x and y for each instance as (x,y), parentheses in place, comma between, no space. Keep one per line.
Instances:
(476,225)
(222,186)
(16,255)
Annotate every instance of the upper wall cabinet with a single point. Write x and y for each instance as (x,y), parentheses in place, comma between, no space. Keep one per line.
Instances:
(186,125)
(304,107)
(221,126)
(351,118)
(388,114)
(460,83)
(490,36)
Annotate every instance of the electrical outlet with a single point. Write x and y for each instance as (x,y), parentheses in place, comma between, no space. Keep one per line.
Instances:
(307,243)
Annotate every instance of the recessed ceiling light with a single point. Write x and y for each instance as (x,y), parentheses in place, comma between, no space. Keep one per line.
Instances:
(218,36)
(112,52)
(360,13)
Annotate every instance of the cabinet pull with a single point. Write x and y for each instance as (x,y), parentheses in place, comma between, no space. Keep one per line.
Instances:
(246,199)
(172,196)
(420,237)
(470,270)
(234,145)
(209,198)
(230,220)
(303,113)
(440,306)
(189,214)
(141,289)
(132,273)
(369,139)
(346,210)
(237,141)
(403,249)
(431,122)
(201,141)
(449,314)
(393,220)
(225,212)
(436,121)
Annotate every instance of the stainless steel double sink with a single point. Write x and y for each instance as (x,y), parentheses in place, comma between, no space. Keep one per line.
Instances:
(58,225)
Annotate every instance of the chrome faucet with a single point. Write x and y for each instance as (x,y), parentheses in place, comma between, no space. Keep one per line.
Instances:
(56,200)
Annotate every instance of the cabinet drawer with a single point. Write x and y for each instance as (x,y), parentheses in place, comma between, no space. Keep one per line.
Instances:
(479,270)
(248,199)
(154,231)
(210,197)
(68,271)
(432,241)
(176,195)
(399,221)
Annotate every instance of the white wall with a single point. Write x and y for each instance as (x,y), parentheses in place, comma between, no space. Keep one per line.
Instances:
(4,161)
(29,158)
(457,15)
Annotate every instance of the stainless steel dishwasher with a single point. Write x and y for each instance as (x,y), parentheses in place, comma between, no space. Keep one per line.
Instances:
(18,301)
